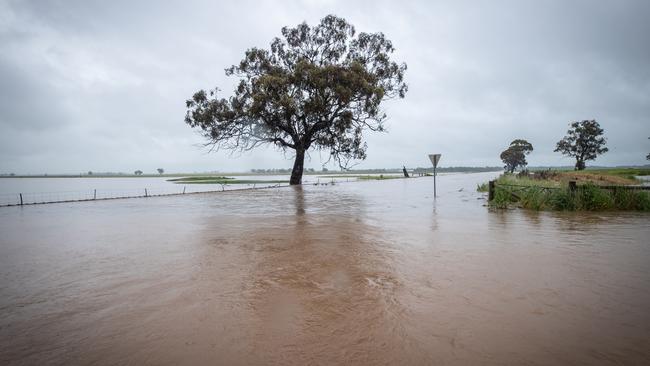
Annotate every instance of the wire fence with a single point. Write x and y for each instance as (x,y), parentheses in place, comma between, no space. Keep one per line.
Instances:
(34,198)
(514,189)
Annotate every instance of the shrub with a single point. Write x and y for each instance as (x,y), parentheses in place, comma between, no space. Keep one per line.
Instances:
(541,195)
(533,198)
(592,198)
(562,200)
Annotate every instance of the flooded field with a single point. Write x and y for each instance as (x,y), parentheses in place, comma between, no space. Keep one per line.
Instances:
(364,273)
(50,189)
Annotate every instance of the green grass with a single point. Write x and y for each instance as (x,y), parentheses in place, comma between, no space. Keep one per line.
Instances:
(514,180)
(552,195)
(366,177)
(221,180)
(199,178)
(379,177)
(622,172)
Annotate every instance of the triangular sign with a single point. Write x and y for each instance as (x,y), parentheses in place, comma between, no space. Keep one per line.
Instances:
(435,158)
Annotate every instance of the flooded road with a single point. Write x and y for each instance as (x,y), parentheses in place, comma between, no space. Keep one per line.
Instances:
(365,273)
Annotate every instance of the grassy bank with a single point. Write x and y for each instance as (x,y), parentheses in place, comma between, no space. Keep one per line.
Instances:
(553,193)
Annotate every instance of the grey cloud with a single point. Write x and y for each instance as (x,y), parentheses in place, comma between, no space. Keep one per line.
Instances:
(101,85)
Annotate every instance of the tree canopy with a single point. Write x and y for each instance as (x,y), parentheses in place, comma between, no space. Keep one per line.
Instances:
(316,87)
(515,155)
(584,141)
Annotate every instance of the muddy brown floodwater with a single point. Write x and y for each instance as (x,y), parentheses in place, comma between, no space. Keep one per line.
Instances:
(367,273)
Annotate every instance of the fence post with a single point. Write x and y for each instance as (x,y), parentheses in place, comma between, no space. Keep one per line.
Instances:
(491,190)
(184,189)
(21,198)
(573,186)
(95,194)
(146,194)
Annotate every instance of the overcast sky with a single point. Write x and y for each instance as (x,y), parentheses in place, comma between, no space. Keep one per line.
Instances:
(101,85)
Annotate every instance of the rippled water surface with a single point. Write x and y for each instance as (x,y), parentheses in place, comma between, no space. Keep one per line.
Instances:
(354,273)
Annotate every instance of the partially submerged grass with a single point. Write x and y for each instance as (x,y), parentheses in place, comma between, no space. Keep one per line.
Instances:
(379,177)
(554,195)
(221,180)
(199,178)
(365,177)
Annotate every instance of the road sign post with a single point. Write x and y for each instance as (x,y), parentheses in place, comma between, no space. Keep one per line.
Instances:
(435,158)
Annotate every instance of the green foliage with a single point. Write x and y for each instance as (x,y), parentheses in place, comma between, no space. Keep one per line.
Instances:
(583,141)
(534,198)
(502,198)
(484,187)
(622,172)
(316,87)
(515,155)
(588,197)
(562,200)
(591,198)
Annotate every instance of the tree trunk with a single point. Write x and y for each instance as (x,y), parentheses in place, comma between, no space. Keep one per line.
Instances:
(298,166)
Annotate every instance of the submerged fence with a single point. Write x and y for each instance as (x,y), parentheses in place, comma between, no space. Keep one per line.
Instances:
(35,198)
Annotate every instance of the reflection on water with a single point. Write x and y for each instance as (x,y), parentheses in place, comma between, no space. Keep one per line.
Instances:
(360,273)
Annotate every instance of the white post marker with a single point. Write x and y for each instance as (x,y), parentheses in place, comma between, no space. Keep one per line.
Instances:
(435,158)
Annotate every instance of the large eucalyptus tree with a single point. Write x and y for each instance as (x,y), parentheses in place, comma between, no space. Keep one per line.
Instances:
(584,141)
(316,88)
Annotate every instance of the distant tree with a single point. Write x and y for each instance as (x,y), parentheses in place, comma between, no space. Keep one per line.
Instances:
(138,172)
(160,171)
(317,87)
(515,155)
(325,170)
(584,141)
(90,173)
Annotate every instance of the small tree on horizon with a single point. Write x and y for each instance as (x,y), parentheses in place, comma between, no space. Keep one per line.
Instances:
(317,88)
(160,171)
(584,141)
(138,172)
(515,155)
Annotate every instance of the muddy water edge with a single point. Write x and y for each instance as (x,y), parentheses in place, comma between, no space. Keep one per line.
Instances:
(354,273)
